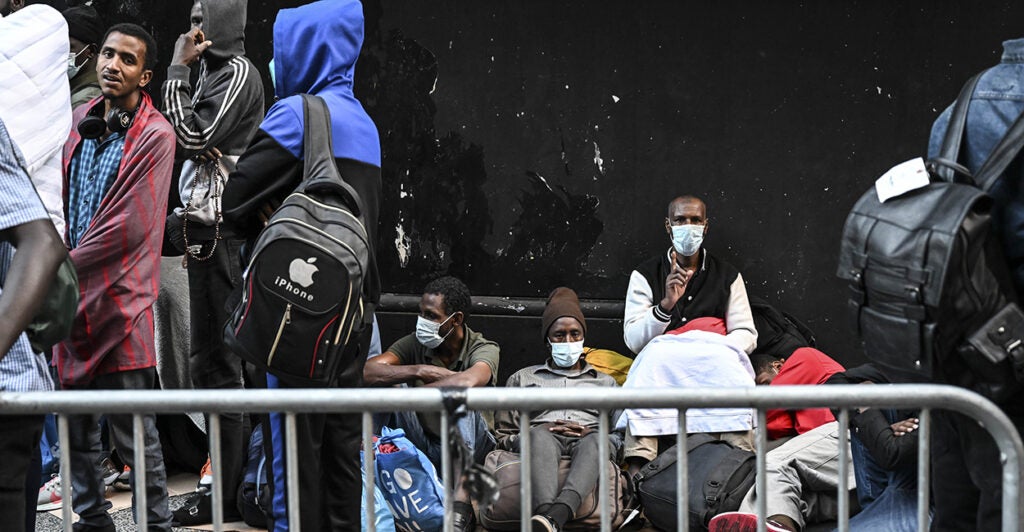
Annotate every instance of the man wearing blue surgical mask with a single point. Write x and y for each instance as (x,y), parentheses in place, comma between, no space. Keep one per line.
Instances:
(563,431)
(686,282)
(442,352)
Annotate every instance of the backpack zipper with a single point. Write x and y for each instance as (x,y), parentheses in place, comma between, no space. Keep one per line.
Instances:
(315,230)
(341,325)
(286,319)
(330,207)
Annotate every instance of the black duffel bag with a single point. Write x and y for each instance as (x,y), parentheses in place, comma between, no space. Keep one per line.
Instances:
(720,475)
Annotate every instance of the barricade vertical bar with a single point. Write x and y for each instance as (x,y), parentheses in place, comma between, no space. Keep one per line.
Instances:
(139,471)
(291,461)
(63,436)
(760,480)
(446,471)
(525,489)
(924,452)
(369,472)
(843,491)
(218,484)
(602,478)
(682,475)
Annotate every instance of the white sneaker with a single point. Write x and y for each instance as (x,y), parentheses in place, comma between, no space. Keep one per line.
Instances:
(49,495)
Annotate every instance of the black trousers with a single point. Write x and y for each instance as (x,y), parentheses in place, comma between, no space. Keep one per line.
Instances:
(19,440)
(967,488)
(210,287)
(329,466)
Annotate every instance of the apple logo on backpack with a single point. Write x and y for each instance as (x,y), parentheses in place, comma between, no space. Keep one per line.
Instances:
(301,271)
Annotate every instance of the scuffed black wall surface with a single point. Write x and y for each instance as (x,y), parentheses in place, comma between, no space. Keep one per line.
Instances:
(531,144)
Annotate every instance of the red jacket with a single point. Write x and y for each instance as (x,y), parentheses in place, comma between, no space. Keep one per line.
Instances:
(118,258)
(805,366)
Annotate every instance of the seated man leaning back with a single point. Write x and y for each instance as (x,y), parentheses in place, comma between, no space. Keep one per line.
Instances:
(559,432)
(443,351)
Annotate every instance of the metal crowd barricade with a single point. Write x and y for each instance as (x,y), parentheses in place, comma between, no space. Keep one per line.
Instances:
(525,400)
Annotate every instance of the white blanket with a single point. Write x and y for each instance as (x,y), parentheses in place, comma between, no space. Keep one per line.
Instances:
(694,359)
(36,103)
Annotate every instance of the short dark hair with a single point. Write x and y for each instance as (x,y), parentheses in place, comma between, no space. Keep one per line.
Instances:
(455,293)
(134,30)
(687,198)
(763,362)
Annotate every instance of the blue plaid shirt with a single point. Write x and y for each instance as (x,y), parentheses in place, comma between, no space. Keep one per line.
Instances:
(93,169)
(21,370)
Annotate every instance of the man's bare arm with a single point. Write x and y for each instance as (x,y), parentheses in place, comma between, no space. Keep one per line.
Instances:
(387,370)
(39,254)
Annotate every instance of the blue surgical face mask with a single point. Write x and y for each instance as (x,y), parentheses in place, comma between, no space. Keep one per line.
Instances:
(427,332)
(687,238)
(565,354)
(273,74)
(73,67)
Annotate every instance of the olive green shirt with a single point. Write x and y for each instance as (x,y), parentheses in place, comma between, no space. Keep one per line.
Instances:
(475,348)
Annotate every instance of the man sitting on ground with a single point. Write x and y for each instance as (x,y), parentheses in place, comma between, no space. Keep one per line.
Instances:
(560,432)
(802,471)
(443,352)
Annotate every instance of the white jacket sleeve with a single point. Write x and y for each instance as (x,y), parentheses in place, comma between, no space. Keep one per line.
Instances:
(643,319)
(739,321)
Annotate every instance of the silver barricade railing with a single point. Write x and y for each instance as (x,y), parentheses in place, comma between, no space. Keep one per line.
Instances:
(526,400)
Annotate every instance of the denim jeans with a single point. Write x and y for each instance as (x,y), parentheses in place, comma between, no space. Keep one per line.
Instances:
(88,491)
(472,427)
(888,499)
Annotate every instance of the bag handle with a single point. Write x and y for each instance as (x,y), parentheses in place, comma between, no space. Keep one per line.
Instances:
(320,173)
(951,142)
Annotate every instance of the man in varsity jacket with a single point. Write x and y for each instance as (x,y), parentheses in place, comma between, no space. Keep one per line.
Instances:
(686,282)
(315,51)
(214,122)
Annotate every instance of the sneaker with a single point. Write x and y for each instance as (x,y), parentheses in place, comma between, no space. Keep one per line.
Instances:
(739,522)
(542,523)
(205,476)
(110,472)
(49,495)
(122,482)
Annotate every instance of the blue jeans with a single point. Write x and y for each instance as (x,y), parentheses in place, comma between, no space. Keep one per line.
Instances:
(888,499)
(472,427)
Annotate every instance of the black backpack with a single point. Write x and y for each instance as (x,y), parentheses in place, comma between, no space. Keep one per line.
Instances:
(778,332)
(302,294)
(720,475)
(930,291)
(253,493)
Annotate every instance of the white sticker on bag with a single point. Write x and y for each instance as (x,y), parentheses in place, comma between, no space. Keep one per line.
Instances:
(901,179)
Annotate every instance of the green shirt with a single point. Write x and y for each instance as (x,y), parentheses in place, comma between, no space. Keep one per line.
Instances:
(475,348)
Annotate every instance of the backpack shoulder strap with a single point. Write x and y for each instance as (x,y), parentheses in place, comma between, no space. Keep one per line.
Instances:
(951,142)
(320,174)
(1002,155)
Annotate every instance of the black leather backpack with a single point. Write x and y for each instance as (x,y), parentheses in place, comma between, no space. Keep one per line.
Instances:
(930,291)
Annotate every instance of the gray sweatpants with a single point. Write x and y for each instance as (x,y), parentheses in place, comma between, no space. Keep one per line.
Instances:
(802,477)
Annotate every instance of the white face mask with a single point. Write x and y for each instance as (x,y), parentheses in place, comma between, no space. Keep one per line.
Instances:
(73,67)
(687,238)
(426,332)
(565,354)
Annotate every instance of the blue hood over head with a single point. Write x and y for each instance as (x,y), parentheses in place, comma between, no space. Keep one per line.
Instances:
(315,51)
(316,46)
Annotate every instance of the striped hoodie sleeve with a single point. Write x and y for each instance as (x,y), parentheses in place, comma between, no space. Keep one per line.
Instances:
(205,120)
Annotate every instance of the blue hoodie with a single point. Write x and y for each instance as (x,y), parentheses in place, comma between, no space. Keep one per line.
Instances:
(315,52)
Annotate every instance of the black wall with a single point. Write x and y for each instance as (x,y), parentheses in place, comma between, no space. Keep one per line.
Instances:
(532,144)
